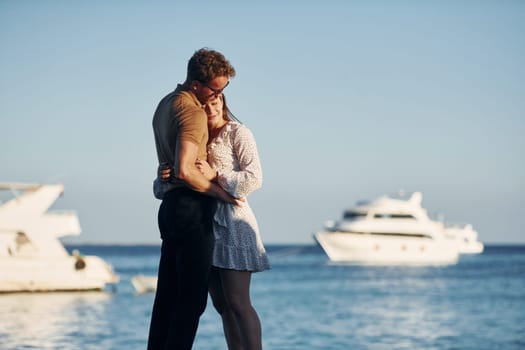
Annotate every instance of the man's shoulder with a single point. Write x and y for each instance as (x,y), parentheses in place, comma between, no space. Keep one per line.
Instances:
(185,99)
(180,96)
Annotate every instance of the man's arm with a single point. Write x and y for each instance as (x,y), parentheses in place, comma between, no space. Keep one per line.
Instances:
(186,170)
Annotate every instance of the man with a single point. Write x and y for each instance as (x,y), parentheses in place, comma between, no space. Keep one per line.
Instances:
(186,212)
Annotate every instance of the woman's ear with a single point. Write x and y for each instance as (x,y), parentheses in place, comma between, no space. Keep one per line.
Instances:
(194,85)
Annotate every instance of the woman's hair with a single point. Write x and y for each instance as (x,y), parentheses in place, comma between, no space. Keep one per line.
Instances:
(226,112)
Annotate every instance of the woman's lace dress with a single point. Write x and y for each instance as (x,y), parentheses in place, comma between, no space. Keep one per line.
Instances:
(238,246)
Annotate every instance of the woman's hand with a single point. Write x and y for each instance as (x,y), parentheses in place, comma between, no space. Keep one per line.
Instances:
(206,169)
(164,172)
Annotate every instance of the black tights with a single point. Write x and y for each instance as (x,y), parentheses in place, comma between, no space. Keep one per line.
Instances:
(185,223)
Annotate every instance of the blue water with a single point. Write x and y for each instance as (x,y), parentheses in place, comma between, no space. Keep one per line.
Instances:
(304,302)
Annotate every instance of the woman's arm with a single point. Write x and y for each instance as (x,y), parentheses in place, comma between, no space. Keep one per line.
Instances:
(248,178)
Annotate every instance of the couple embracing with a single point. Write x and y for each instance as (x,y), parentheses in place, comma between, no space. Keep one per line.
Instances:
(208,164)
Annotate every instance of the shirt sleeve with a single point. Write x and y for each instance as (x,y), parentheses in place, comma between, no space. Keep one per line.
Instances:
(248,178)
(192,121)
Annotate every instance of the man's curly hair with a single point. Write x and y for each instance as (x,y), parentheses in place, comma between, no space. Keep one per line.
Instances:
(207,64)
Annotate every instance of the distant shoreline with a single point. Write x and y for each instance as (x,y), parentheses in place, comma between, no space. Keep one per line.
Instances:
(125,244)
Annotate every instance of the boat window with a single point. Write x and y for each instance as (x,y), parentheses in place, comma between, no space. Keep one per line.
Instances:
(402,216)
(353,215)
(398,234)
(393,216)
(21,239)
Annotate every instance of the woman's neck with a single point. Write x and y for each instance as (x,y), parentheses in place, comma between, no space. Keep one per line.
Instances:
(216,129)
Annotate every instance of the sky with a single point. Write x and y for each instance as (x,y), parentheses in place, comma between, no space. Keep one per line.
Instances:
(348,100)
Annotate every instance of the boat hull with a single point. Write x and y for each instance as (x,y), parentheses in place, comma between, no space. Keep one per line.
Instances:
(472,248)
(29,274)
(386,250)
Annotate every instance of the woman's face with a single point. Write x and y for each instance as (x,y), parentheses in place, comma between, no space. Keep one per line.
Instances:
(214,111)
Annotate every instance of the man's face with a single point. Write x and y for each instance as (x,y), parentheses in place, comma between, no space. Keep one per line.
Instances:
(207,92)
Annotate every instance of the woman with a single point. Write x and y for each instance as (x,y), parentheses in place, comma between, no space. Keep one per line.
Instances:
(233,162)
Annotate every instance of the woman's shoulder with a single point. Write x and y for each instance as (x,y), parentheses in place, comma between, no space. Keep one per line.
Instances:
(233,125)
(238,130)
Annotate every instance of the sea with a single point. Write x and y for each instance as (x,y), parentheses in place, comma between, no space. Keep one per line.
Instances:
(304,302)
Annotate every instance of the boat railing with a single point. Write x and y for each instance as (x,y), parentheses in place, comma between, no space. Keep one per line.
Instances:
(330,225)
(61,212)
(458,225)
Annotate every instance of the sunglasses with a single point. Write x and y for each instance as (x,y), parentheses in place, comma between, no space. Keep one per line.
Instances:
(216,92)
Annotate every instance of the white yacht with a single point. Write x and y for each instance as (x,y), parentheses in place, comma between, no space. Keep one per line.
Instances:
(32,258)
(392,231)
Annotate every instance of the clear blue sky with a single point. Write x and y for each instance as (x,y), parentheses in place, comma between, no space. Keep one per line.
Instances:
(348,100)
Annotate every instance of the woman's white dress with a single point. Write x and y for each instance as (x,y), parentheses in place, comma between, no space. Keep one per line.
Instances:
(238,246)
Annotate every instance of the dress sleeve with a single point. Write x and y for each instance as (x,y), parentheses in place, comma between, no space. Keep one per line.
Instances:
(239,183)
